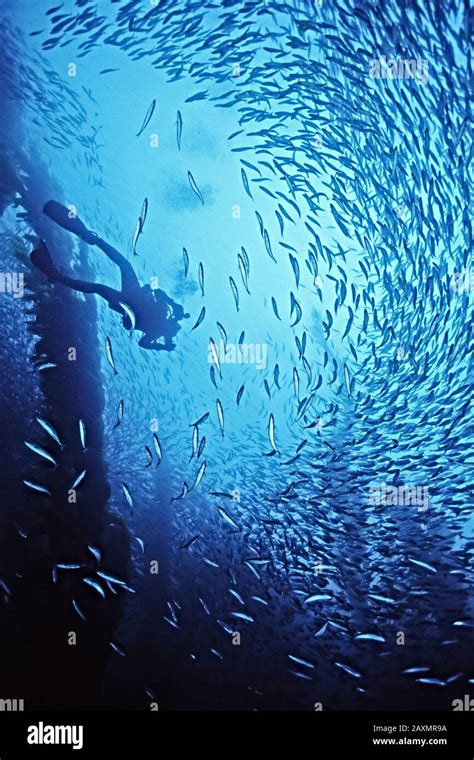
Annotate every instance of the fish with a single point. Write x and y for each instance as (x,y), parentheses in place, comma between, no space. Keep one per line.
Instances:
(82,435)
(237,596)
(37,487)
(194,187)
(322,630)
(243,616)
(223,333)
(95,585)
(243,272)
(220,416)
(144,213)
(95,552)
(276,376)
(120,409)
(109,354)
(347,669)
(171,622)
(157,446)
(239,394)
(424,565)
(127,494)
(200,318)
(179,129)
(268,246)
(111,578)
(198,96)
(201,447)
(190,542)
(45,365)
(300,661)
(130,314)
(201,420)
(235,291)
(318,598)
(260,600)
(303,676)
(41,452)
(78,480)
(50,430)
(271,433)
(149,456)
(205,607)
(136,234)
(227,518)
(147,118)
(246,183)
(275,309)
(78,609)
(201,277)
(186,262)
(117,649)
(199,476)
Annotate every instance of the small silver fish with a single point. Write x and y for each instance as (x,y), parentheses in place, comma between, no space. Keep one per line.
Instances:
(199,475)
(271,433)
(95,552)
(127,494)
(136,234)
(220,416)
(179,129)
(157,445)
(147,118)
(82,435)
(194,187)
(227,518)
(37,487)
(96,586)
(41,452)
(50,430)
(243,616)
(201,277)
(130,314)
(78,480)
(110,356)
(119,414)
(78,609)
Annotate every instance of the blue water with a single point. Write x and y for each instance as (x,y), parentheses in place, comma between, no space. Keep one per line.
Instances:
(388,397)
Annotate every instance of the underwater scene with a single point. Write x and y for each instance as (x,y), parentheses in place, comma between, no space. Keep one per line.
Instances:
(236,294)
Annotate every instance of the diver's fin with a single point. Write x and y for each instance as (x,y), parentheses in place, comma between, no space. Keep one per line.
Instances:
(41,258)
(66,218)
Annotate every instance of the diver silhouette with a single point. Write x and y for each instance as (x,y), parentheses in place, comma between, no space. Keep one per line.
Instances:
(154,313)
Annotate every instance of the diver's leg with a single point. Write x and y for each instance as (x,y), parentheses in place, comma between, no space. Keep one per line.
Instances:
(41,258)
(129,278)
(109,294)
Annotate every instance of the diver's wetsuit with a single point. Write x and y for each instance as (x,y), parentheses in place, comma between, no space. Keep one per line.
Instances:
(156,314)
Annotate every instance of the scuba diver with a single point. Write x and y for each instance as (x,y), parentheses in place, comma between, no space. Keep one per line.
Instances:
(152,312)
